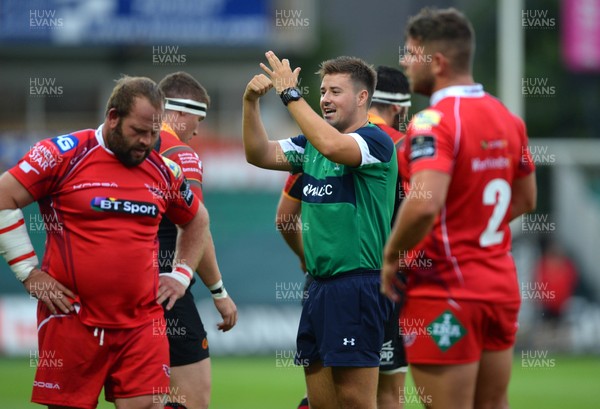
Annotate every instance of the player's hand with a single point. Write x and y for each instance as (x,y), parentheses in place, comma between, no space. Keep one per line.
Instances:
(169,289)
(228,311)
(391,284)
(49,291)
(257,87)
(280,73)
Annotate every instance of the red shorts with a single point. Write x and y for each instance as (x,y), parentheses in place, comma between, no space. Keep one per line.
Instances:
(444,331)
(73,366)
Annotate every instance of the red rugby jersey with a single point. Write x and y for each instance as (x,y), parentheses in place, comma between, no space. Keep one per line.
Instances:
(104,238)
(395,134)
(474,138)
(181,153)
(171,147)
(293,186)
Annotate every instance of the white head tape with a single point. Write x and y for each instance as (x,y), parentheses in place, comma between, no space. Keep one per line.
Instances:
(391,98)
(186,105)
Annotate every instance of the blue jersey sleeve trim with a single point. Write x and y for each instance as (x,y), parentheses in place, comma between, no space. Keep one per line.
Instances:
(379,145)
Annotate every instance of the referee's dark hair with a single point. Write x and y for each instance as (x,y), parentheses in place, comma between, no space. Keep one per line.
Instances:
(360,72)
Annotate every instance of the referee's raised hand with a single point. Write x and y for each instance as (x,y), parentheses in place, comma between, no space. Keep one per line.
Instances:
(258,86)
(280,72)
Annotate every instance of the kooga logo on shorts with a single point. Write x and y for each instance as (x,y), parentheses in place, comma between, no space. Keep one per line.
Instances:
(46,385)
(112,204)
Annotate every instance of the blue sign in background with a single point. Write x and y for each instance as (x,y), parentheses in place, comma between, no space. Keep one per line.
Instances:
(133,22)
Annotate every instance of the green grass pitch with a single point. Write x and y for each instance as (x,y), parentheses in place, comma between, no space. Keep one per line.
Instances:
(258,382)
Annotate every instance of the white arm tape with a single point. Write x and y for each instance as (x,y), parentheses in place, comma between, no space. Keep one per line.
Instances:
(15,244)
(222,294)
(218,290)
(182,273)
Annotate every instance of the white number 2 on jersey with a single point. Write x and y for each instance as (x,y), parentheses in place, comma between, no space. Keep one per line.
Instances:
(496,193)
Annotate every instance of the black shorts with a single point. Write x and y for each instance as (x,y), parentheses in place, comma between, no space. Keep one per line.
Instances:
(187,338)
(393,357)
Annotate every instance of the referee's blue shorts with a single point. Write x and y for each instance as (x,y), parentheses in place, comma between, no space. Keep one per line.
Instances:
(342,321)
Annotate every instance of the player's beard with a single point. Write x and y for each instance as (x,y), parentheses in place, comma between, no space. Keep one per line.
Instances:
(117,143)
(422,83)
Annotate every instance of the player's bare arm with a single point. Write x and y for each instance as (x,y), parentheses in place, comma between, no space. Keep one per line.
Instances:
(288,224)
(336,146)
(191,242)
(415,220)
(524,196)
(260,151)
(209,273)
(14,196)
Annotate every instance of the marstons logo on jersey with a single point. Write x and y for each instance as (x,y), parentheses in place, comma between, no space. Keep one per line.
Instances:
(425,120)
(112,204)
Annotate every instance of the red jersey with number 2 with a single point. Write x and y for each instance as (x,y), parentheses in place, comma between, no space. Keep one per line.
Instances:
(471,136)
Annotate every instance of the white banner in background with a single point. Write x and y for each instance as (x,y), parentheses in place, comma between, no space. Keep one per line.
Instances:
(261,329)
(18,329)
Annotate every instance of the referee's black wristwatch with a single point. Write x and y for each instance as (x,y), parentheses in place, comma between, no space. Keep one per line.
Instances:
(290,94)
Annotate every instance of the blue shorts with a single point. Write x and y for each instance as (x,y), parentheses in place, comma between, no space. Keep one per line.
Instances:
(342,321)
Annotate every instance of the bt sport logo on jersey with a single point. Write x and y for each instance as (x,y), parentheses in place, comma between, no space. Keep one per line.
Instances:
(112,204)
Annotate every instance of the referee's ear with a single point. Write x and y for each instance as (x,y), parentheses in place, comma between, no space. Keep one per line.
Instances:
(362,98)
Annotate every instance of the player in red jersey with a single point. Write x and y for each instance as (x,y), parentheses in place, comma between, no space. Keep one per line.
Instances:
(99,314)
(470,173)
(390,103)
(185,107)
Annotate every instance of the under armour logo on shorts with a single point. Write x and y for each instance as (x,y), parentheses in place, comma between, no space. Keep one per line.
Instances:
(350,341)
